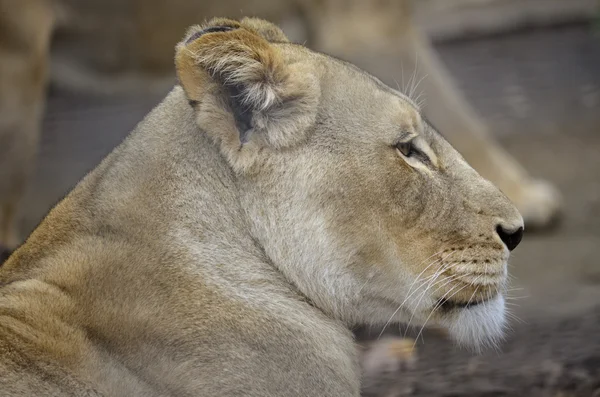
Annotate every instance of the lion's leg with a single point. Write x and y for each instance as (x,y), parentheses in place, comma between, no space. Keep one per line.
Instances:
(24,42)
(386,366)
(537,201)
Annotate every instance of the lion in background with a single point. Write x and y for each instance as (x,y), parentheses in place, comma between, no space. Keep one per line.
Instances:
(274,199)
(126,45)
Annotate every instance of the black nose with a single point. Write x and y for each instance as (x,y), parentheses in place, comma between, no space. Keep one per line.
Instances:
(510,238)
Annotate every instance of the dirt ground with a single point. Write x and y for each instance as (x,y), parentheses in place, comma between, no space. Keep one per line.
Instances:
(540,92)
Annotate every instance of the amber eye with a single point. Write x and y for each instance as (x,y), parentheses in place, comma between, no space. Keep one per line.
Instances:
(406,148)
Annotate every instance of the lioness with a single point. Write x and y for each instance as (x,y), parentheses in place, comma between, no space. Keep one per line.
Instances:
(275,198)
(109,45)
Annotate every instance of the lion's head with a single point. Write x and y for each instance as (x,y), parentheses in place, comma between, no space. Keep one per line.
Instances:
(353,196)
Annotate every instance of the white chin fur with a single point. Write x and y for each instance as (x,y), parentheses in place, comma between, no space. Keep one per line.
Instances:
(479,326)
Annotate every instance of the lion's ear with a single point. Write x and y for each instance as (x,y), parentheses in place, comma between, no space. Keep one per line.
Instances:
(234,76)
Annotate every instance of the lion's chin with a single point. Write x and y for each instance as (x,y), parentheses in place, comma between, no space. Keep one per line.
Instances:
(478,326)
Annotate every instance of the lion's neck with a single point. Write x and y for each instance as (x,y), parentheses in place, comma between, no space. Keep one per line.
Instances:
(163,201)
(153,244)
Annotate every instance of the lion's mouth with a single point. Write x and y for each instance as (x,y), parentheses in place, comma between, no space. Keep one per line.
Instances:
(447,305)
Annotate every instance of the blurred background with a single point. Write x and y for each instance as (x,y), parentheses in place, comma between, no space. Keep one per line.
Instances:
(530,70)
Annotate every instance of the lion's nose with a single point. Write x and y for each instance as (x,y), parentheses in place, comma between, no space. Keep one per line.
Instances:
(511,238)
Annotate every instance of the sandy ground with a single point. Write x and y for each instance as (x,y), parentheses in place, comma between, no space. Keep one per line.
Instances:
(540,92)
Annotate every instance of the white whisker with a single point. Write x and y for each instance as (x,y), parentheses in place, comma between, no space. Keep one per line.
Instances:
(438,304)
(417,279)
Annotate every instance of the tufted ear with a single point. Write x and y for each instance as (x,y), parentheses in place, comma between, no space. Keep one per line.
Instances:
(236,77)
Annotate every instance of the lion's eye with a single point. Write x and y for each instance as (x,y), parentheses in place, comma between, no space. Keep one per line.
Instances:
(406,148)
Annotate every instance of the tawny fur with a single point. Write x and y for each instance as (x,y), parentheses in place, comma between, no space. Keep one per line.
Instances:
(129,46)
(189,262)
